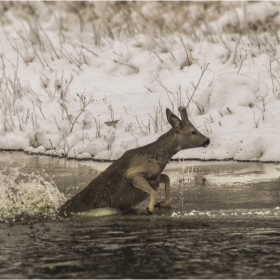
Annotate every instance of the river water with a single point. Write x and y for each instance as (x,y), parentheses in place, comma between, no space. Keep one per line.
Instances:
(224,223)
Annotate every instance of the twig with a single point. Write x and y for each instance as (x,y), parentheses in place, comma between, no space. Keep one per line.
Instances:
(139,124)
(83,104)
(203,69)
(128,65)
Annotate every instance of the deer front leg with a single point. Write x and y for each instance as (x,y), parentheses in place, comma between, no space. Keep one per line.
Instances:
(167,203)
(140,182)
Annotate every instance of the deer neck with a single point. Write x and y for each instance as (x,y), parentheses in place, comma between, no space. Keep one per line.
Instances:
(165,147)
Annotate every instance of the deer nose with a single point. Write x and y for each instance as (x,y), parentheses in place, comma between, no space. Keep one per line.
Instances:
(206,143)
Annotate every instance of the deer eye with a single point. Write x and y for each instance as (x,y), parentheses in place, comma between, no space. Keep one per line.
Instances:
(194,132)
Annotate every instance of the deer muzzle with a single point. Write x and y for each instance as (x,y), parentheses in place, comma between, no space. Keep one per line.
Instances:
(206,143)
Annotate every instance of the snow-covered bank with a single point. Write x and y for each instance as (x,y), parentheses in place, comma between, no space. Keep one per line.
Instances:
(93,83)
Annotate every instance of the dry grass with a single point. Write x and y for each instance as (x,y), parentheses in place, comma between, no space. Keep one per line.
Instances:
(86,28)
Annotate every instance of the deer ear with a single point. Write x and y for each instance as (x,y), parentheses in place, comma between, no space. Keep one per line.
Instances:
(173,119)
(184,114)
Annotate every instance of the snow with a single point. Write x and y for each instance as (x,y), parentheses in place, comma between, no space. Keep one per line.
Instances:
(263,149)
(82,95)
(256,13)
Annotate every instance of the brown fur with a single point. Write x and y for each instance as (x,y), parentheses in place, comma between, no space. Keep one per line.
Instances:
(137,174)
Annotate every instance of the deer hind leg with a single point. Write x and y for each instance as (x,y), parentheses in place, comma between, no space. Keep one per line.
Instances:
(167,203)
(140,182)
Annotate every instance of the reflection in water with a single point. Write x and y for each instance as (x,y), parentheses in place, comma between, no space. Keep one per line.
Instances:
(224,223)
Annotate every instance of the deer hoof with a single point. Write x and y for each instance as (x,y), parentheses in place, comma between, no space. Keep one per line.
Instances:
(163,204)
(149,212)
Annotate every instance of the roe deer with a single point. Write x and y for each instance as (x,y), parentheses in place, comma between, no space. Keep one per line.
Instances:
(137,173)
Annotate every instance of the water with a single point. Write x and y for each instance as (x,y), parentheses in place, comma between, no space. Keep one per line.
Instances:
(224,223)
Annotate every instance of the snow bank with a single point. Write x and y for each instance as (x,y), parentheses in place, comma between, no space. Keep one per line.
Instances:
(232,91)
(254,14)
(238,109)
(13,141)
(263,149)
(70,92)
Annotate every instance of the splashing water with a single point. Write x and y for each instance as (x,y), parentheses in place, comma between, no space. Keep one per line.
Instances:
(24,196)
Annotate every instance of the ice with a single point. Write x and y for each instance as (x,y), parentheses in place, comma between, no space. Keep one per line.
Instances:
(95,213)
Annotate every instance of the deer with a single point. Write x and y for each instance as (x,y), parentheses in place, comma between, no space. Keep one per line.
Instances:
(137,174)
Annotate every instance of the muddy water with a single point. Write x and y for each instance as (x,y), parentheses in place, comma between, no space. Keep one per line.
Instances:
(224,223)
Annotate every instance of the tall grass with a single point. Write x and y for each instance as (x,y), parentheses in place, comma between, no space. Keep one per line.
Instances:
(86,29)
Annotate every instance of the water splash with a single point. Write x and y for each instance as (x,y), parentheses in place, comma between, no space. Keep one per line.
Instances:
(24,196)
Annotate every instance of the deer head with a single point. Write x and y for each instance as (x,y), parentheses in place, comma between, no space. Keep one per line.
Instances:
(185,134)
